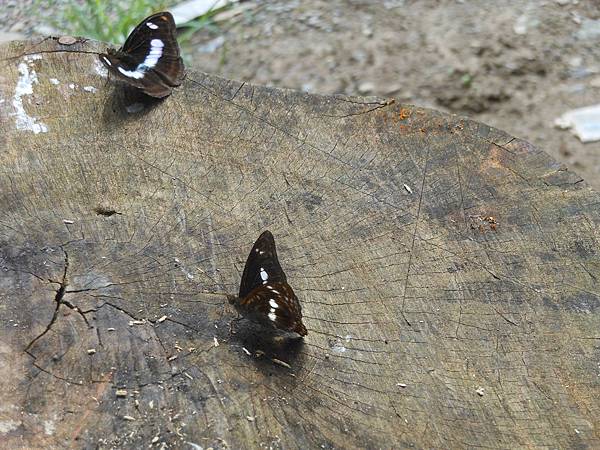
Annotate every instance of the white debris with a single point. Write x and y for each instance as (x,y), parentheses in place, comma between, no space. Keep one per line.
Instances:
(216,341)
(24,87)
(68,222)
(121,393)
(91,89)
(480,391)
(246,351)
(408,189)
(583,122)
(281,363)
(54,81)
(136,322)
(162,319)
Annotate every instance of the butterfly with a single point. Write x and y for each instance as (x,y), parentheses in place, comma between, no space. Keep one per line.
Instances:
(265,297)
(149,60)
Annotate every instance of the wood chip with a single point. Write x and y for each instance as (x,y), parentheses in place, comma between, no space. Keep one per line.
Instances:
(129,418)
(281,363)
(91,351)
(121,393)
(162,319)
(246,351)
(408,189)
(188,375)
(66,40)
(172,358)
(136,322)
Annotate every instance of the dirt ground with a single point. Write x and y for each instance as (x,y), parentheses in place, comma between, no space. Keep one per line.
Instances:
(513,64)
(516,65)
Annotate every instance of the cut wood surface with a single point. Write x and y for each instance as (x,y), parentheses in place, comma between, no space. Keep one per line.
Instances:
(448,273)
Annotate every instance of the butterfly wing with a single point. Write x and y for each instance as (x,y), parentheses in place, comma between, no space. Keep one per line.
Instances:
(262,266)
(274,304)
(265,296)
(150,59)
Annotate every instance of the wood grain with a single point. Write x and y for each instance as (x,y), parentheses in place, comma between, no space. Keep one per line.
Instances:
(448,272)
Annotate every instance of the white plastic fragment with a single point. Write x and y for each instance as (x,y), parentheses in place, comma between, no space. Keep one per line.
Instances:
(583,122)
(186,11)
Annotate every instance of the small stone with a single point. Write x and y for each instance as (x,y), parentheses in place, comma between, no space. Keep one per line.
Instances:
(162,319)
(480,391)
(366,87)
(129,418)
(91,351)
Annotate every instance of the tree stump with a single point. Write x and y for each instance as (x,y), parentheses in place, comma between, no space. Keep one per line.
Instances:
(448,272)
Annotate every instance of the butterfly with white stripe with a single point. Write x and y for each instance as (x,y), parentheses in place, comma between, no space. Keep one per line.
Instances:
(265,297)
(149,60)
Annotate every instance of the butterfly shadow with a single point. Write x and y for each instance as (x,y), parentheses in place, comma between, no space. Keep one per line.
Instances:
(126,103)
(267,345)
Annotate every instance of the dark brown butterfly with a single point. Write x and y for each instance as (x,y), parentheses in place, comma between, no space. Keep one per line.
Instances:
(265,297)
(149,60)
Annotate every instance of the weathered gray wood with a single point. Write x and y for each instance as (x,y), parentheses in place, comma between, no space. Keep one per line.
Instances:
(429,324)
